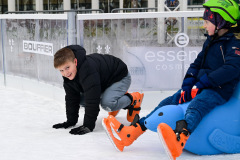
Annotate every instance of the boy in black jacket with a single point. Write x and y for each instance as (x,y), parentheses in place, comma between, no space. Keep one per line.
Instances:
(90,80)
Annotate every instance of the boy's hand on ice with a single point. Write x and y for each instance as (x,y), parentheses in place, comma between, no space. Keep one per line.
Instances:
(80,130)
(63,125)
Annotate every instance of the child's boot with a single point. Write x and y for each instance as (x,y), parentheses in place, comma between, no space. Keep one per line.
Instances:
(135,107)
(173,140)
(113,113)
(121,135)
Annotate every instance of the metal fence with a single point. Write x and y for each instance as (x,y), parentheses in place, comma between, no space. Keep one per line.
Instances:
(82,11)
(155,9)
(146,42)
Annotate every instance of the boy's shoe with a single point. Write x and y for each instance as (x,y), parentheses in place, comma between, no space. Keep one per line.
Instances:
(113,113)
(135,107)
(119,134)
(172,141)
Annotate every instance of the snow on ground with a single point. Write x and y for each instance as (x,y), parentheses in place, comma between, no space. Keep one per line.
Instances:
(26,133)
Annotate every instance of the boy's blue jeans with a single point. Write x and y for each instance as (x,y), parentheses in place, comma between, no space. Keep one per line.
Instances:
(201,105)
(114,98)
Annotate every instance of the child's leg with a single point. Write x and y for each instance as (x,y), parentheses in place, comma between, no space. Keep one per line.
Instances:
(114,98)
(175,140)
(171,100)
(201,105)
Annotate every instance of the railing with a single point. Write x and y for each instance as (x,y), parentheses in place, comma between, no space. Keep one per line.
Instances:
(125,10)
(88,11)
(135,36)
(195,8)
(82,11)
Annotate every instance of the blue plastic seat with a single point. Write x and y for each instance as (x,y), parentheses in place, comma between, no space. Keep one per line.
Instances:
(218,132)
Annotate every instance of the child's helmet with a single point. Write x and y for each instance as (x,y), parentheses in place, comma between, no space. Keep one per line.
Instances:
(228,9)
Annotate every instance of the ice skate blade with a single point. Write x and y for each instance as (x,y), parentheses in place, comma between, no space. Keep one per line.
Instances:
(165,145)
(110,135)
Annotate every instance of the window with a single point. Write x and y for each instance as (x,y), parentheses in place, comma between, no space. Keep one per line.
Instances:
(25,5)
(195,2)
(108,5)
(3,6)
(81,4)
(55,5)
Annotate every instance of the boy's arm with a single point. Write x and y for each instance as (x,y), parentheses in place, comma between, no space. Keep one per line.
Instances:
(72,107)
(196,65)
(72,99)
(230,70)
(92,92)
(190,78)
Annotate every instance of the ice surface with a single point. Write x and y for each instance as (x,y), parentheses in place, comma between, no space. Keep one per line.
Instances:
(26,133)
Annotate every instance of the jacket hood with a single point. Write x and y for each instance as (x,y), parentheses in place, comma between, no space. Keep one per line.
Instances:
(80,54)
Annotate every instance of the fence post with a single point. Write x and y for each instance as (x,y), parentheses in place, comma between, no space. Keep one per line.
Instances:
(95,4)
(121,5)
(160,29)
(39,5)
(71,24)
(66,5)
(151,4)
(183,7)
(11,6)
(80,33)
(3,56)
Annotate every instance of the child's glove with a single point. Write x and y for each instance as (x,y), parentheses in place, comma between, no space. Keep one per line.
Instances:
(194,92)
(63,125)
(80,130)
(187,85)
(201,84)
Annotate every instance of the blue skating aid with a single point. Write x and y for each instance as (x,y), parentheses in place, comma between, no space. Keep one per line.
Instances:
(218,132)
(168,114)
(224,142)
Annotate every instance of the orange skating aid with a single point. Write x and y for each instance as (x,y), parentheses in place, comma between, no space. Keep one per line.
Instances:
(135,106)
(119,134)
(173,142)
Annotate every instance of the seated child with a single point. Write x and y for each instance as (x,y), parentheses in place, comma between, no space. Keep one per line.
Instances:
(210,81)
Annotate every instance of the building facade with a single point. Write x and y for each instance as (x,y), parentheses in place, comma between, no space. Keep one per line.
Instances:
(105,5)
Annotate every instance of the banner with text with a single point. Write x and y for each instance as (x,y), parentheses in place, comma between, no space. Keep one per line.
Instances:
(159,68)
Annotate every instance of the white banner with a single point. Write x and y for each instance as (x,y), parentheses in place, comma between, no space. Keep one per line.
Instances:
(38,47)
(154,68)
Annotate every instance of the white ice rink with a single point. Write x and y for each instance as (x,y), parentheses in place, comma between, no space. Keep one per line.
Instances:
(26,133)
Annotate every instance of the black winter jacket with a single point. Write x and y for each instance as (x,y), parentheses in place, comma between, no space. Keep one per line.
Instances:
(221,63)
(95,73)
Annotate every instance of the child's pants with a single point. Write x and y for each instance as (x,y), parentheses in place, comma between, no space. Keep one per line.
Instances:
(114,98)
(202,104)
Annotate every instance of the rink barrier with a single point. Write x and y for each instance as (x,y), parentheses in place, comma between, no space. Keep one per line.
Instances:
(18,28)
(34,16)
(139,15)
